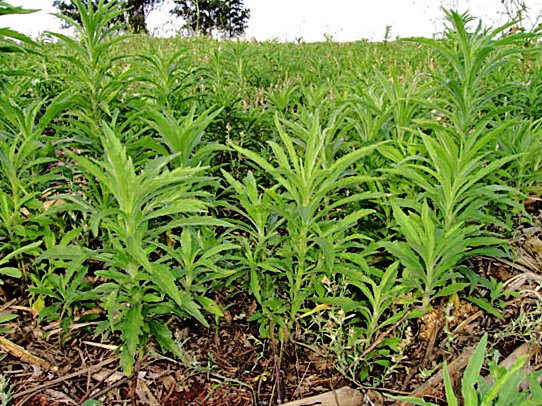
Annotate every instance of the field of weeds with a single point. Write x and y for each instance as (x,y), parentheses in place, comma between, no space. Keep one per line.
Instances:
(194,222)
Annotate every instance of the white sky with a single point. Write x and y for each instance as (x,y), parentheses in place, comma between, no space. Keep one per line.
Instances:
(344,20)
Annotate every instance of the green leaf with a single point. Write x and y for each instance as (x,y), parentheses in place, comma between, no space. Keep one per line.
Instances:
(411,400)
(450,395)
(255,285)
(15,253)
(162,276)
(485,305)
(11,272)
(451,289)
(210,305)
(345,303)
(91,402)
(163,335)
(492,394)
(472,373)
(131,330)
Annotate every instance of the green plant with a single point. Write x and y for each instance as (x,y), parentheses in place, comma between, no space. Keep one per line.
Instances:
(502,387)
(430,253)
(454,165)
(5,391)
(523,141)
(453,176)
(198,257)
(370,301)
(12,41)
(165,77)
(494,300)
(307,176)
(340,185)
(66,283)
(183,137)
(26,158)
(130,210)
(89,73)
(471,57)
(4,319)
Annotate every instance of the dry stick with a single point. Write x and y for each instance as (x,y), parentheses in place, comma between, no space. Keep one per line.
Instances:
(96,386)
(103,391)
(386,333)
(381,338)
(278,378)
(135,377)
(72,327)
(519,267)
(56,324)
(7,305)
(25,355)
(455,366)
(467,321)
(145,394)
(408,378)
(433,338)
(104,346)
(340,397)
(300,381)
(65,378)
(428,350)
(276,362)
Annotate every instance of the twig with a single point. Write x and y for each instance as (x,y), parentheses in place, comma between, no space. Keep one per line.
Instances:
(23,309)
(276,361)
(511,264)
(104,346)
(236,381)
(467,321)
(278,378)
(135,377)
(72,327)
(379,339)
(65,378)
(408,377)
(340,397)
(24,355)
(88,394)
(386,333)
(55,325)
(433,338)
(454,367)
(428,350)
(145,394)
(8,304)
(103,391)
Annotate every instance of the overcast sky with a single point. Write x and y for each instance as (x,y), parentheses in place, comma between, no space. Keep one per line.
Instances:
(311,20)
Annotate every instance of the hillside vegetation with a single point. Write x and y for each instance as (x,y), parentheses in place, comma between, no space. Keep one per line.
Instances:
(258,214)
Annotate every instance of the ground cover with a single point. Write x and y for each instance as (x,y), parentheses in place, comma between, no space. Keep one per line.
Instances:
(188,221)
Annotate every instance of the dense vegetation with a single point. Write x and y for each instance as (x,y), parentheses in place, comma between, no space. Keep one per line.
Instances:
(345,188)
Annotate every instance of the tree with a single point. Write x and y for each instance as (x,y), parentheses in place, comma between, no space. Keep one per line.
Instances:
(225,17)
(134,19)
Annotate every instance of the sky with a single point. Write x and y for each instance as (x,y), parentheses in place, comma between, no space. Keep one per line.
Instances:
(308,20)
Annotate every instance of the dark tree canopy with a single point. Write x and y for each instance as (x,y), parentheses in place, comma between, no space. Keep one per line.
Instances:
(226,17)
(134,19)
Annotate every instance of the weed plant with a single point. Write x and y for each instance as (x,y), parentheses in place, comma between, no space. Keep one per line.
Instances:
(140,176)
